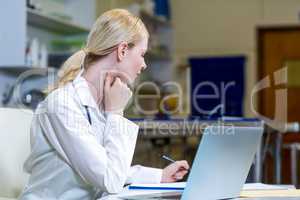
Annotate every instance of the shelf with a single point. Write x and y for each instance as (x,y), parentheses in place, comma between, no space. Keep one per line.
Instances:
(40,20)
(20,69)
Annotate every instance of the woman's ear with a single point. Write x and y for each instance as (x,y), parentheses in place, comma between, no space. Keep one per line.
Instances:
(122,51)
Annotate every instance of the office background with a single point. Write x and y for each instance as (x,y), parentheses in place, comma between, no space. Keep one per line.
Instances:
(190,42)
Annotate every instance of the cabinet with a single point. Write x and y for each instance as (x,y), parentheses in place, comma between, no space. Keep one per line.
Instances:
(53,20)
(20,24)
(52,24)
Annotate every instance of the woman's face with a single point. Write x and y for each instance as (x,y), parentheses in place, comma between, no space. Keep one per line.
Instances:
(133,62)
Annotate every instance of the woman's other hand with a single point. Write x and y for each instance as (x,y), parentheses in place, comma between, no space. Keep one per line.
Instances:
(116,95)
(175,171)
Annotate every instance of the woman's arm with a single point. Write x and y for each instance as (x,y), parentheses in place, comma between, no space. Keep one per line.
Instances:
(172,173)
(69,132)
(141,174)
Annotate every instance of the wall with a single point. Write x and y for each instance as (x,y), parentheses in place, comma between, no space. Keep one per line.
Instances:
(12,32)
(215,27)
(104,5)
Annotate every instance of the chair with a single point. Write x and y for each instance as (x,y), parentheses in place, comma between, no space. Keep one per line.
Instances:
(14,149)
(294,149)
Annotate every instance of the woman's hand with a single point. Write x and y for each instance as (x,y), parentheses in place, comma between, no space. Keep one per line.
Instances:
(116,95)
(175,171)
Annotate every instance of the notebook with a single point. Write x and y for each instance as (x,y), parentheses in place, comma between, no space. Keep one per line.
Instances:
(181,186)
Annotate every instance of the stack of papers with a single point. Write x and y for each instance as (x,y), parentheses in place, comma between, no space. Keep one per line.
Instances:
(181,186)
(261,186)
(160,186)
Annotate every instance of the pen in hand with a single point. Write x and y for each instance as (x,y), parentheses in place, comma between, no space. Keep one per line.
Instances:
(175,171)
(170,160)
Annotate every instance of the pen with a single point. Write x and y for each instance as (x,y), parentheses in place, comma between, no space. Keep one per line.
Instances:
(168,158)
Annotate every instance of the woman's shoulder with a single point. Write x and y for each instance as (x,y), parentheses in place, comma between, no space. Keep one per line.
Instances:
(60,97)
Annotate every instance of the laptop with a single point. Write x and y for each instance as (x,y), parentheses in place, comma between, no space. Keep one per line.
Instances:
(221,165)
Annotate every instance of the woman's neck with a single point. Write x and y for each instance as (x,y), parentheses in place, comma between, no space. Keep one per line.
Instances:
(95,75)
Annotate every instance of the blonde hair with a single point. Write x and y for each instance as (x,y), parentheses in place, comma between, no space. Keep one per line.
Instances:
(109,30)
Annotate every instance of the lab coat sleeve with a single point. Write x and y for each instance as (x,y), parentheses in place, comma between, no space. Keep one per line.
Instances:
(105,167)
(141,174)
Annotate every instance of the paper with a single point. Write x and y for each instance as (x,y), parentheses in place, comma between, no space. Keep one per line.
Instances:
(261,186)
(137,194)
(181,186)
(270,193)
(160,186)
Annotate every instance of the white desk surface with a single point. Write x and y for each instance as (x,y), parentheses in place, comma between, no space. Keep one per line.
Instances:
(290,194)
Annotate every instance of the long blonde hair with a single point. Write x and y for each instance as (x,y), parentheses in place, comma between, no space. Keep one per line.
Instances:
(109,30)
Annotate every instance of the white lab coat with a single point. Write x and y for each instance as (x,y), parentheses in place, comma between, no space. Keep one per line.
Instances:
(73,159)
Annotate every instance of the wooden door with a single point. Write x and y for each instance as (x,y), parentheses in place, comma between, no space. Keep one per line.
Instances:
(279,47)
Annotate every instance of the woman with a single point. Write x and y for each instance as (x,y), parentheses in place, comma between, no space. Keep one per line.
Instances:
(82,146)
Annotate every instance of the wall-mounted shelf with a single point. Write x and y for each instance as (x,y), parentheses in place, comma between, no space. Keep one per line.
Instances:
(53,24)
(20,69)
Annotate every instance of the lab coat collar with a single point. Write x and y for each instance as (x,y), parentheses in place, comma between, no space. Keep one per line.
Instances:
(83,91)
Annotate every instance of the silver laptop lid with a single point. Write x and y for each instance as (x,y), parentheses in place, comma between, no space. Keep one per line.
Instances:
(222,162)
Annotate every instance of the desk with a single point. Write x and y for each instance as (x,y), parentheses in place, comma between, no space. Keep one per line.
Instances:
(270,194)
(290,194)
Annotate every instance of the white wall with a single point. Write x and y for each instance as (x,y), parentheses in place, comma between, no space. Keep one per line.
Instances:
(12,33)
(216,27)
(281,11)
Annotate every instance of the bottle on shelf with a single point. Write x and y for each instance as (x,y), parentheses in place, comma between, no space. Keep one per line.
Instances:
(34,49)
(43,59)
(36,54)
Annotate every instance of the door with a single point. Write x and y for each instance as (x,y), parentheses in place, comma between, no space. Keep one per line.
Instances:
(279,47)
